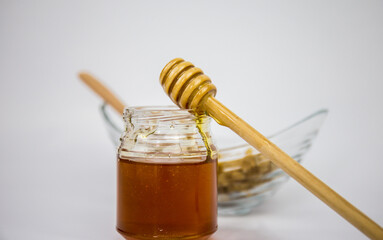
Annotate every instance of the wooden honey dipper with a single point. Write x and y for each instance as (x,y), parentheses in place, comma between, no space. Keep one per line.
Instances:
(190,88)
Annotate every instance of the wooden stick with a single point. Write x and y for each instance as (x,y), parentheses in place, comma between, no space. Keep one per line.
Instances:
(103,92)
(293,168)
(188,87)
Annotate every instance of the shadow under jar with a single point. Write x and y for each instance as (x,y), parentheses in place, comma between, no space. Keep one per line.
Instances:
(166,175)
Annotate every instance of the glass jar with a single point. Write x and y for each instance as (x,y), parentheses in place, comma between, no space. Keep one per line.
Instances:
(166,175)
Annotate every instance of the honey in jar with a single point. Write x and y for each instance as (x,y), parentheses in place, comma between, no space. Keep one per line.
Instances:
(166,176)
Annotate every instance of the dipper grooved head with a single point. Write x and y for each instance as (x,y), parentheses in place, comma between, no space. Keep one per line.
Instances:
(186,84)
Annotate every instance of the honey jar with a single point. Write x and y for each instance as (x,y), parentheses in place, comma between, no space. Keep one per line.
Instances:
(166,175)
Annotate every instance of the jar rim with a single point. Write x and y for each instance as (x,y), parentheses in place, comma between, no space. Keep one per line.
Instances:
(163,113)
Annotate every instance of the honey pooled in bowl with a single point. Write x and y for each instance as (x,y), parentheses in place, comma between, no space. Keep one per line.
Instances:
(243,174)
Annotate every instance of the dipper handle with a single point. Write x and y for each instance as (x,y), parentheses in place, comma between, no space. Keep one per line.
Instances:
(103,92)
(188,87)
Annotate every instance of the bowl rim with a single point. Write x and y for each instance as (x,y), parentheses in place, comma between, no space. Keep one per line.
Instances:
(323,111)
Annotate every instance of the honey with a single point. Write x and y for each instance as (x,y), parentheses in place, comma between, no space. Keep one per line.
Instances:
(166,200)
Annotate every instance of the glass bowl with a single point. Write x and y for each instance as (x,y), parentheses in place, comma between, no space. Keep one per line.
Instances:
(245,177)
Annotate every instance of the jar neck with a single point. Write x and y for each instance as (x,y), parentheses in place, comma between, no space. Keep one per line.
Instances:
(161,117)
(166,134)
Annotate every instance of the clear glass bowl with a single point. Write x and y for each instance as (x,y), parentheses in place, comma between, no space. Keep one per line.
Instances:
(245,177)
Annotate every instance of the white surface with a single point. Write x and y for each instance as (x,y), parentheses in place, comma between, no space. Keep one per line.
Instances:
(273,62)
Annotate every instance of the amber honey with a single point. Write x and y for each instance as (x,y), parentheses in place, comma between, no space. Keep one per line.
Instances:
(166,201)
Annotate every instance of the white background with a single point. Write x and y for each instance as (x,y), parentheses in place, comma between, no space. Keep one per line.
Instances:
(273,63)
